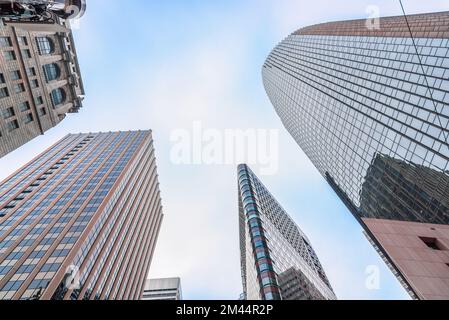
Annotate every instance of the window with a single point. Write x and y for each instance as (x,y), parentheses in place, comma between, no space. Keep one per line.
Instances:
(58,96)
(23,41)
(24,106)
(2,78)
(42,112)
(26,53)
(52,71)
(39,100)
(28,118)
(4,92)
(34,84)
(15,75)
(12,125)
(8,113)
(433,244)
(5,42)
(45,45)
(31,72)
(18,88)
(9,55)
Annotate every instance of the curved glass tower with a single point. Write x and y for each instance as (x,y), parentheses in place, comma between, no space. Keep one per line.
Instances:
(277,260)
(370,108)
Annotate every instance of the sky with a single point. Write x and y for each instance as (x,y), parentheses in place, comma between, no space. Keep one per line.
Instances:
(168,65)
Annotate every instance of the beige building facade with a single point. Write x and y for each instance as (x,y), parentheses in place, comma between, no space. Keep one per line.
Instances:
(40,81)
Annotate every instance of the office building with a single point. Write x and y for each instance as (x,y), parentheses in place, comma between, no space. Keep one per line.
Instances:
(81,220)
(396,190)
(369,107)
(163,289)
(40,80)
(277,259)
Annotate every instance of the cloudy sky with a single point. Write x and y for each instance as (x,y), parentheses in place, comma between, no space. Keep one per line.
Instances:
(165,65)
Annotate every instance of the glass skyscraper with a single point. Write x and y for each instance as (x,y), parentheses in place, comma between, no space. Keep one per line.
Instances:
(370,108)
(277,259)
(81,220)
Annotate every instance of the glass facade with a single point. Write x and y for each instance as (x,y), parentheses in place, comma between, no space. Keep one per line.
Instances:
(81,220)
(370,108)
(272,244)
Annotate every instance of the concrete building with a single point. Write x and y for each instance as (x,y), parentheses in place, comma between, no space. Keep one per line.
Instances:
(369,107)
(81,220)
(277,259)
(40,80)
(163,289)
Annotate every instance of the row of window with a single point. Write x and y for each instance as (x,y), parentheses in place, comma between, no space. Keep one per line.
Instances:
(45,46)
(6,41)
(52,72)
(58,96)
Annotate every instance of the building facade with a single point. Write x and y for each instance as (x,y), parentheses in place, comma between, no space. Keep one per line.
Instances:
(419,251)
(370,108)
(277,259)
(81,220)
(40,80)
(396,190)
(163,289)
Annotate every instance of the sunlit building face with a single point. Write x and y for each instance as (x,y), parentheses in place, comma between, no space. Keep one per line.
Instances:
(81,220)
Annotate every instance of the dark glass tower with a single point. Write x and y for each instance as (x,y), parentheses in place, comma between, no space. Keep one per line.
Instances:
(81,220)
(277,260)
(370,108)
(398,190)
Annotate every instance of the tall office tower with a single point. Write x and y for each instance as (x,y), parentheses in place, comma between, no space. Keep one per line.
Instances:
(369,105)
(163,289)
(40,81)
(277,259)
(81,220)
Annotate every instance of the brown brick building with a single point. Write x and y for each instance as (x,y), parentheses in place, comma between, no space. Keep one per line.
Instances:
(40,81)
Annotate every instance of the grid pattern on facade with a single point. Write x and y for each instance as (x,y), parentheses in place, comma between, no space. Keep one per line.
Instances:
(296,286)
(271,243)
(346,99)
(398,190)
(86,211)
(168,289)
(370,108)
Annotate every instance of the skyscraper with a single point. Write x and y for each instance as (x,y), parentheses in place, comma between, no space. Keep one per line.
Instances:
(163,289)
(277,259)
(40,81)
(81,220)
(370,108)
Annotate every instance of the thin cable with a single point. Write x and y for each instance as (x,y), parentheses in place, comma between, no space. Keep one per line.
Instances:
(423,71)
